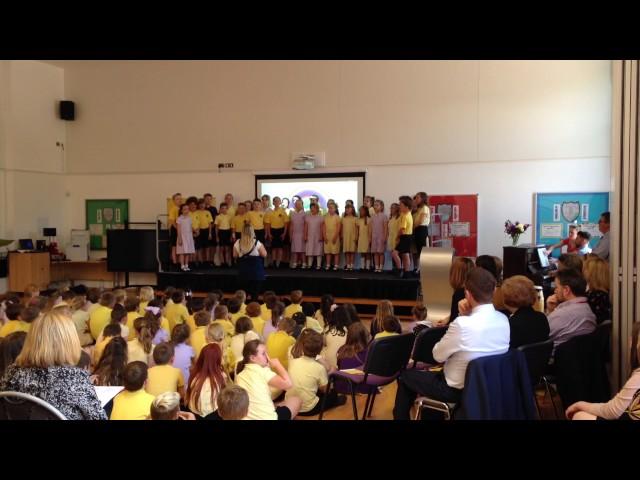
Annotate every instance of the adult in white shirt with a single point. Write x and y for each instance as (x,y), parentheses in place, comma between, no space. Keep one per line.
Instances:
(479,331)
(602,248)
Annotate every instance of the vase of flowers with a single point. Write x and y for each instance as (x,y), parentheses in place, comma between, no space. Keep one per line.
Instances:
(514,230)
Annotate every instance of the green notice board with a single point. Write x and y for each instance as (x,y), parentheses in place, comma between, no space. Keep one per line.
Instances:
(103,215)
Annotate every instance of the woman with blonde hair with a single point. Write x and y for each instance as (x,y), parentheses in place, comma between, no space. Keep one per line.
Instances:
(384,309)
(46,368)
(250,253)
(596,273)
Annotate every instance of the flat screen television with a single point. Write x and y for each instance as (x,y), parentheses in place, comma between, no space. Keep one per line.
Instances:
(131,251)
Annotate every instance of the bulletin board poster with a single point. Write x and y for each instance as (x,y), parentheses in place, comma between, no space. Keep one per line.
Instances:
(454,223)
(103,215)
(554,212)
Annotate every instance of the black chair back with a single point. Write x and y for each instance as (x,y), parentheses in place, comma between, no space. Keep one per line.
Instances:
(425,341)
(603,332)
(389,355)
(537,355)
(22,406)
(581,370)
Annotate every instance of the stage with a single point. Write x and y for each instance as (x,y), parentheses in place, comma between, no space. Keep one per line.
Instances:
(311,282)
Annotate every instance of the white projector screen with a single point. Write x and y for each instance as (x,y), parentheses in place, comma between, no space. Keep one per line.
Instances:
(337,186)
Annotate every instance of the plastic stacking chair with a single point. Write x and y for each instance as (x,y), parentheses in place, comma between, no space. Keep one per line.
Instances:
(538,355)
(423,346)
(387,357)
(22,406)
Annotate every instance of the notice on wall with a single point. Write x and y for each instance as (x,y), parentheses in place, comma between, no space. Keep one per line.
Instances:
(592,228)
(454,223)
(460,229)
(551,230)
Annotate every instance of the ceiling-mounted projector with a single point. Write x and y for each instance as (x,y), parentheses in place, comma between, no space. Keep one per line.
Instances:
(304,162)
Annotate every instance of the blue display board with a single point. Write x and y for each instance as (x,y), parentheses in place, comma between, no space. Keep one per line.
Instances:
(554,212)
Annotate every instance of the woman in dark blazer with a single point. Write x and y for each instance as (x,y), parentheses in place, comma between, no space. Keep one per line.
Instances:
(527,325)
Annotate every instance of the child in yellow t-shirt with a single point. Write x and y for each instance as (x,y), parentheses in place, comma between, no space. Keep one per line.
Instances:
(295,307)
(146,295)
(176,312)
(216,334)
(19,319)
(133,403)
(234,310)
(276,222)
(164,377)
(221,317)
(198,335)
(237,222)
(205,232)
(279,342)
(390,326)
(110,331)
(101,315)
(404,238)
(132,307)
(253,312)
(241,295)
(223,235)
(196,305)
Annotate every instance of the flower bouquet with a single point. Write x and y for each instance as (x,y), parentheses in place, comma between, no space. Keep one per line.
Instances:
(514,230)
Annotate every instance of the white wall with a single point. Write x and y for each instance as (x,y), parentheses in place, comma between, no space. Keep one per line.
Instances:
(171,116)
(32,183)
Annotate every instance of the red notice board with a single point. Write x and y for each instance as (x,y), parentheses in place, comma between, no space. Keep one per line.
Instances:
(454,223)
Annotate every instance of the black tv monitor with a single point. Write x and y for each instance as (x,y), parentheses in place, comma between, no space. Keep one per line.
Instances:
(544,260)
(131,251)
(26,244)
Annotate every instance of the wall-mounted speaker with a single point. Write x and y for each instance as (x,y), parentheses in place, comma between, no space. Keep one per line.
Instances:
(67,110)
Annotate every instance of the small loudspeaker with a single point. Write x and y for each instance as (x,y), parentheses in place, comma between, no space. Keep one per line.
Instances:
(67,110)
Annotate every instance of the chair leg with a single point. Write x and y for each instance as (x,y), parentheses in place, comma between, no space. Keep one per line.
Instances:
(535,399)
(353,401)
(366,407)
(373,399)
(418,412)
(324,398)
(553,403)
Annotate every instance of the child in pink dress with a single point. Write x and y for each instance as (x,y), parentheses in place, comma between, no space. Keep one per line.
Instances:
(314,246)
(185,245)
(378,230)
